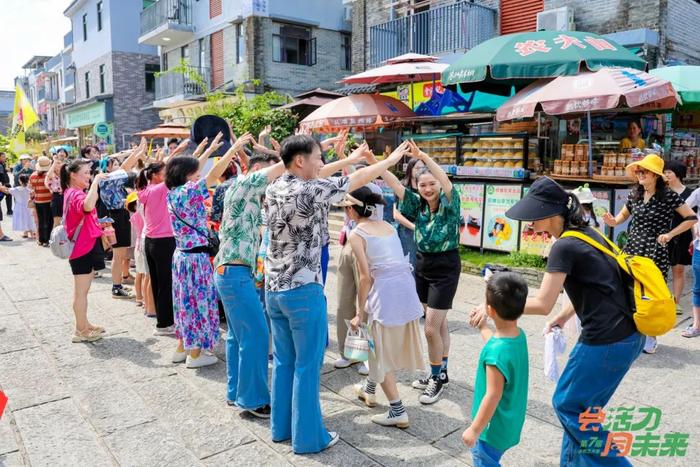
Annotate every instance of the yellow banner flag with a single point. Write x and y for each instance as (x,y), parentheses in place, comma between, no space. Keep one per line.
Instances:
(17,143)
(24,115)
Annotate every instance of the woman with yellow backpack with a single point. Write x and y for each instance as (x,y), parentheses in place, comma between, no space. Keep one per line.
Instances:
(651,205)
(609,342)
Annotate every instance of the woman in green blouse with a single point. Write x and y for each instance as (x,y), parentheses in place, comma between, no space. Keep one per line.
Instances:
(436,210)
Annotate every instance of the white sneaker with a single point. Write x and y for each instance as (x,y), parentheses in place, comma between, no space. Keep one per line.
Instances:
(370,400)
(166,331)
(383,419)
(650,345)
(204,359)
(363,369)
(343,362)
(179,357)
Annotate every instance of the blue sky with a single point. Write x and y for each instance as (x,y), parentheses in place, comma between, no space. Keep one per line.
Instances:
(28,28)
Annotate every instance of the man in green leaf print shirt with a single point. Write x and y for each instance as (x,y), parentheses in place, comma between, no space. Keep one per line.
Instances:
(246,343)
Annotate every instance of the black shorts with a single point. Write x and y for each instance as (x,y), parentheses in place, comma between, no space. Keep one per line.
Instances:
(89,262)
(57,205)
(437,277)
(122,227)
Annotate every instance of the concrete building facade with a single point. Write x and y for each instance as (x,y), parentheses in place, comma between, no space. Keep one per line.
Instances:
(286,46)
(114,74)
(662,31)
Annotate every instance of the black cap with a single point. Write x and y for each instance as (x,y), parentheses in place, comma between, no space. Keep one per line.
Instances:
(546,198)
(208,126)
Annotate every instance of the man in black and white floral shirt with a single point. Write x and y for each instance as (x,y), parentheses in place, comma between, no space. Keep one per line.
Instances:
(298,204)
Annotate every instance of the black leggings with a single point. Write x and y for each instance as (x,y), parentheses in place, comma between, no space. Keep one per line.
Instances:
(159,255)
(43,212)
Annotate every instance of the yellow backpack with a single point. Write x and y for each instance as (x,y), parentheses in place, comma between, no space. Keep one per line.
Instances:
(654,306)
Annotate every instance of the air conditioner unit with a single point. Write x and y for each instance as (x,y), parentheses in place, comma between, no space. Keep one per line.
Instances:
(558,19)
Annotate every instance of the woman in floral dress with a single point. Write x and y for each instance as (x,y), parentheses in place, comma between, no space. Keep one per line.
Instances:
(194,294)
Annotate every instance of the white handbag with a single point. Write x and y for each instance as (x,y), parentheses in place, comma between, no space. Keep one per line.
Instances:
(357,344)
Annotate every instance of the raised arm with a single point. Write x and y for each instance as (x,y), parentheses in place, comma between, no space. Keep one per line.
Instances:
(216,144)
(621,217)
(434,169)
(358,155)
(92,194)
(390,179)
(130,161)
(363,177)
(220,167)
(274,172)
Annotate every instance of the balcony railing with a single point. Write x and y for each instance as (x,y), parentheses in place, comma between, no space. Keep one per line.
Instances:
(184,86)
(166,12)
(460,26)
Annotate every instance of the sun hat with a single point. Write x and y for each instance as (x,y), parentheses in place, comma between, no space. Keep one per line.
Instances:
(43,164)
(348,200)
(131,197)
(25,157)
(584,194)
(652,162)
(546,198)
(208,126)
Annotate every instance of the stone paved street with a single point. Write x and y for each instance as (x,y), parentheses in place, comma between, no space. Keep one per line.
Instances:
(121,402)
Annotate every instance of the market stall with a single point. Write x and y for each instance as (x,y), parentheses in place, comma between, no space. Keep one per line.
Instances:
(493,171)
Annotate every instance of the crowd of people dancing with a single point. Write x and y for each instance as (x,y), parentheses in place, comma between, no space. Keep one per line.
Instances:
(236,229)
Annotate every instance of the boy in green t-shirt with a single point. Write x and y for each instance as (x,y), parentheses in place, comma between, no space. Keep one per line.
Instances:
(500,391)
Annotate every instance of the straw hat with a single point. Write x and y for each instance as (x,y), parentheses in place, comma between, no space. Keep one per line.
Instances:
(584,194)
(43,164)
(652,163)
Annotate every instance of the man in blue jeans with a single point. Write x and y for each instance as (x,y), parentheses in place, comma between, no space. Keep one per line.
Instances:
(298,203)
(246,342)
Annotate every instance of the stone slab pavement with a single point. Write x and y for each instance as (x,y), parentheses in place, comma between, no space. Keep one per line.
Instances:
(120,401)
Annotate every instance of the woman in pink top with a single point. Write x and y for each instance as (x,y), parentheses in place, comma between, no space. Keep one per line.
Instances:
(88,255)
(159,243)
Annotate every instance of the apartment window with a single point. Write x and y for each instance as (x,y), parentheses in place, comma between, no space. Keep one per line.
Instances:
(85,27)
(87,85)
(239,43)
(102,79)
(185,53)
(294,45)
(151,70)
(202,54)
(165,61)
(346,52)
(99,16)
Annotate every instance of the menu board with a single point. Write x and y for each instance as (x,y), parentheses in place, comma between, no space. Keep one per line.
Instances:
(620,231)
(499,232)
(534,243)
(471,196)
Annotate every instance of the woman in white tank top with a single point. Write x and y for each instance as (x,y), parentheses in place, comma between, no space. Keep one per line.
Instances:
(387,303)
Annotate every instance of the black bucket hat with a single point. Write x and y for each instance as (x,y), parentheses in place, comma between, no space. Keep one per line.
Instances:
(208,126)
(546,198)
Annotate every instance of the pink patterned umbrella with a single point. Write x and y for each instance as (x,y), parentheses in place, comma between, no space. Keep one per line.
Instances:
(405,68)
(362,111)
(603,90)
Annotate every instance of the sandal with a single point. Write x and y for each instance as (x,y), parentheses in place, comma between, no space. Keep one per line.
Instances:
(139,302)
(690,331)
(99,329)
(91,335)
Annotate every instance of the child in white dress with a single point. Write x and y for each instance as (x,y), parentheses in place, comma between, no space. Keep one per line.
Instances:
(22,219)
(387,302)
